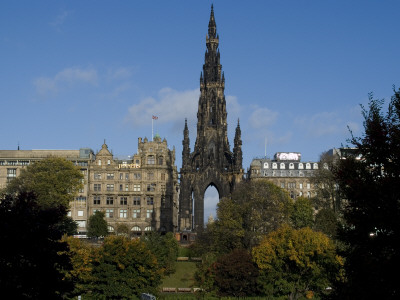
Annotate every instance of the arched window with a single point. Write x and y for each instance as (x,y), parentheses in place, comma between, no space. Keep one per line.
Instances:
(149,228)
(265,165)
(301,166)
(308,166)
(315,166)
(274,165)
(291,166)
(160,160)
(151,160)
(282,166)
(136,229)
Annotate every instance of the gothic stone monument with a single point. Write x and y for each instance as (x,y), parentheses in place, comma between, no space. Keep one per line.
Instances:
(211,163)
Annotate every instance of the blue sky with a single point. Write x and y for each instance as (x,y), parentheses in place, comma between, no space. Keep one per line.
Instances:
(74,73)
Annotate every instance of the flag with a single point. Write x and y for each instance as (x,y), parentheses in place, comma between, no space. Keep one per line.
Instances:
(155,117)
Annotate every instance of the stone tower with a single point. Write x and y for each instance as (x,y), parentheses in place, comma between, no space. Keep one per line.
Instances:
(211,162)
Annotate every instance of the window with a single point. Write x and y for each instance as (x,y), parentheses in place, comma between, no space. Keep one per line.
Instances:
(97,176)
(315,166)
(274,165)
(151,160)
(99,162)
(81,224)
(109,213)
(291,166)
(308,166)
(97,187)
(110,176)
(110,228)
(126,176)
(162,176)
(151,187)
(301,166)
(136,213)
(123,200)
(136,200)
(126,187)
(150,176)
(121,176)
(308,186)
(108,162)
(136,187)
(136,176)
(110,200)
(160,160)
(300,185)
(150,200)
(81,200)
(80,213)
(282,185)
(301,194)
(110,187)
(308,195)
(282,166)
(96,200)
(123,213)
(265,165)
(148,228)
(11,174)
(149,213)
(292,185)
(121,187)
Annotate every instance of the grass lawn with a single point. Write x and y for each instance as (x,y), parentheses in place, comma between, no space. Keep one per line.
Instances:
(183,277)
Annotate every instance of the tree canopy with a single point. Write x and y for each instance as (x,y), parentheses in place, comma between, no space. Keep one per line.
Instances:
(296,263)
(370,182)
(97,225)
(54,180)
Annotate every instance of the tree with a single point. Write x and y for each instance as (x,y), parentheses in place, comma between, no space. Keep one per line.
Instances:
(32,257)
(252,210)
(370,182)
(97,225)
(55,181)
(236,274)
(302,213)
(325,183)
(165,248)
(296,263)
(327,222)
(123,269)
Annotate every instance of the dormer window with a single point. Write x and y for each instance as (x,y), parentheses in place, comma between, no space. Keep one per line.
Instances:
(308,166)
(266,165)
(291,166)
(301,166)
(315,166)
(282,166)
(274,165)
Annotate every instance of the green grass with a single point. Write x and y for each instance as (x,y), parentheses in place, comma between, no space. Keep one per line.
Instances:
(183,277)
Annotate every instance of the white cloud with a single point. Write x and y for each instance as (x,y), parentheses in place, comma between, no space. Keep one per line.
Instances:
(262,117)
(65,78)
(60,19)
(170,106)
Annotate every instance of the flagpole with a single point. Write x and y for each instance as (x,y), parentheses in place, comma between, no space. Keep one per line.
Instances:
(152,135)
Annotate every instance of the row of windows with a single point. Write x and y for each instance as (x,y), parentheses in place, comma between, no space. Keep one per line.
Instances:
(125,176)
(151,160)
(123,200)
(282,166)
(292,185)
(151,187)
(123,213)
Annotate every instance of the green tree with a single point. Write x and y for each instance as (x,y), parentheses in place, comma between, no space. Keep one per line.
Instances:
(123,269)
(33,260)
(253,209)
(370,182)
(97,225)
(55,181)
(236,274)
(327,222)
(326,184)
(165,248)
(302,213)
(296,263)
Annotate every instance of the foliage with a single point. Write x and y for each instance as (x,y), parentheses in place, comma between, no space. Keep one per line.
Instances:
(296,262)
(370,182)
(327,222)
(236,274)
(253,209)
(32,257)
(205,274)
(325,183)
(302,213)
(165,248)
(122,229)
(122,269)
(97,225)
(55,182)
(81,259)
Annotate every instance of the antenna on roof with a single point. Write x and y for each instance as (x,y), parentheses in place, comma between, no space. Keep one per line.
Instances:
(265,147)
(18,145)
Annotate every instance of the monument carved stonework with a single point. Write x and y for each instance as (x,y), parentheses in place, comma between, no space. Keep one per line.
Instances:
(211,163)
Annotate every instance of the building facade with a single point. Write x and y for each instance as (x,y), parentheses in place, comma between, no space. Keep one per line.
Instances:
(287,171)
(140,192)
(211,162)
